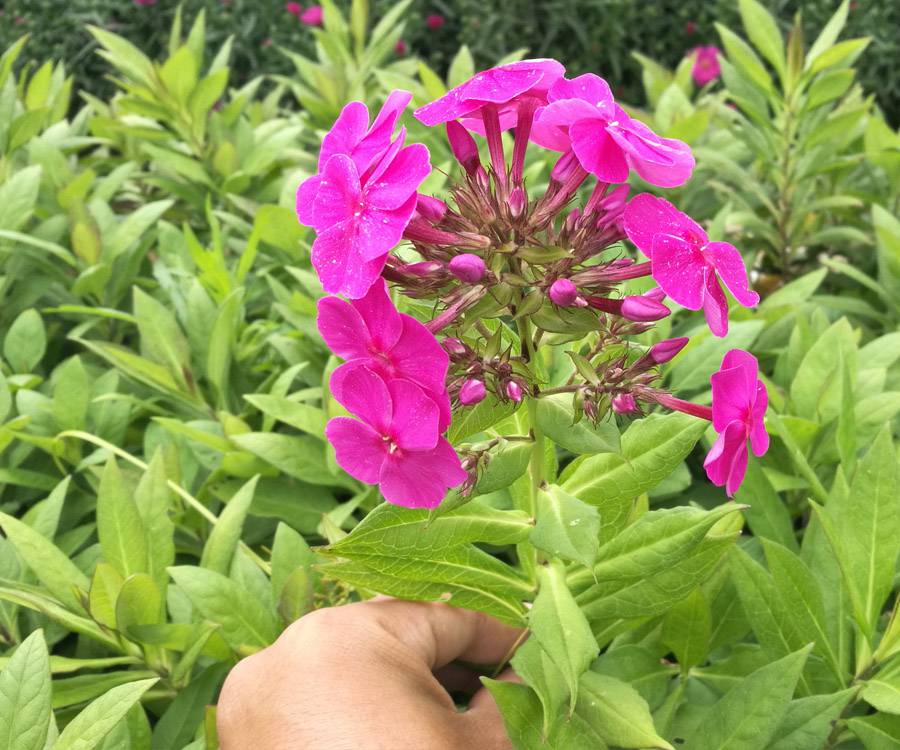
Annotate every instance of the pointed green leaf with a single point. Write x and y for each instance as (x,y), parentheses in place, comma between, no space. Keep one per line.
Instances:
(25,696)
(687,628)
(123,538)
(763,31)
(566,527)
(226,533)
(556,419)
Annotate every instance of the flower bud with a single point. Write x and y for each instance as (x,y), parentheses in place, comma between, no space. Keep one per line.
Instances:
(463,146)
(624,403)
(516,202)
(564,167)
(572,219)
(468,268)
(472,392)
(656,294)
(665,350)
(431,208)
(643,309)
(514,391)
(563,293)
(454,347)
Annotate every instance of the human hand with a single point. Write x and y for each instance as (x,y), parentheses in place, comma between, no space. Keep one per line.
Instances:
(363,677)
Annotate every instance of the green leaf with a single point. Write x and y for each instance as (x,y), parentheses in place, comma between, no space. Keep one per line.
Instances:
(617,713)
(25,342)
(687,629)
(829,34)
(123,538)
(882,691)
(817,385)
(878,732)
(306,418)
(808,721)
(533,665)
(763,32)
(747,716)
(180,720)
(53,569)
(19,192)
(134,226)
(556,419)
(462,67)
(179,74)
(106,583)
(475,419)
(766,514)
(226,533)
(161,338)
(561,629)
(139,602)
(300,457)
(70,691)
(652,448)
(152,500)
(566,527)
(411,532)
(87,730)
(869,526)
(741,55)
(25,696)
(243,619)
(520,708)
(506,463)
(289,552)
(654,563)
(887,234)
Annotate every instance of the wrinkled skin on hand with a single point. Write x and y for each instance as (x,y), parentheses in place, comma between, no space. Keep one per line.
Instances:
(368,676)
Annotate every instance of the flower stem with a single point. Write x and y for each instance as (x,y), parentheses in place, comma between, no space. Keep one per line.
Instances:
(527,552)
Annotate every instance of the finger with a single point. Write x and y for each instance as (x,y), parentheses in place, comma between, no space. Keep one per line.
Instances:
(437,633)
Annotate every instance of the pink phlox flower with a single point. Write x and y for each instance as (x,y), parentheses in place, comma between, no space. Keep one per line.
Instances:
(685,263)
(396,444)
(370,331)
(312,16)
(295,9)
(502,87)
(739,401)
(582,115)
(435,21)
(363,197)
(706,65)
(143,3)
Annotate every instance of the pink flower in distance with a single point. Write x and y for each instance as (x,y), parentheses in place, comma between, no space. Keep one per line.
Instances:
(143,3)
(400,47)
(396,444)
(370,331)
(312,16)
(685,263)
(582,115)
(363,197)
(435,21)
(295,9)
(706,65)
(739,401)
(502,87)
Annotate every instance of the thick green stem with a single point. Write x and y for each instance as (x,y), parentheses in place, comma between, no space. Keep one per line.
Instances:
(527,553)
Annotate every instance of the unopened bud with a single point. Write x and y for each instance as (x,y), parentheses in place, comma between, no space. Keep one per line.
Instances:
(468,268)
(564,167)
(516,202)
(463,146)
(666,350)
(572,219)
(514,391)
(454,347)
(624,403)
(472,392)
(643,309)
(563,292)
(656,294)
(423,268)
(431,208)
(482,179)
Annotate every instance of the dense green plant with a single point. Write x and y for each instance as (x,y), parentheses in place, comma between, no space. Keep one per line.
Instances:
(162,454)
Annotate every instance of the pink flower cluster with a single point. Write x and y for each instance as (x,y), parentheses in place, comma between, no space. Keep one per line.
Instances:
(706,66)
(311,16)
(397,379)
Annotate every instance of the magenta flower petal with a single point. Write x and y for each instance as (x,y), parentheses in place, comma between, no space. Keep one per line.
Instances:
(421,479)
(346,133)
(589,87)
(379,231)
(706,66)
(343,328)
(664,162)
(646,216)
(726,462)
(306,198)
(339,195)
(747,363)
(359,450)
(497,86)
(383,324)
(415,420)
(730,396)
(392,188)
(339,264)
(418,356)
(729,265)
(679,269)
(759,438)
(363,392)
(597,152)
(379,135)
(715,307)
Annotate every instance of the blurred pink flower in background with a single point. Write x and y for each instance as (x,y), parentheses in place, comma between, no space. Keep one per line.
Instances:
(706,65)
(435,21)
(312,16)
(400,47)
(690,28)
(295,9)
(145,3)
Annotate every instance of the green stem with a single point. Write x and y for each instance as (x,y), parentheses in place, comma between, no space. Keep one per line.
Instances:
(527,552)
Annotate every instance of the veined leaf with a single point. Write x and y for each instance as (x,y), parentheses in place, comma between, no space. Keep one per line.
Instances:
(25,696)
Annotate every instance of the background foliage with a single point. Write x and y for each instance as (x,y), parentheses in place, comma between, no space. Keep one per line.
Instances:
(162,410)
